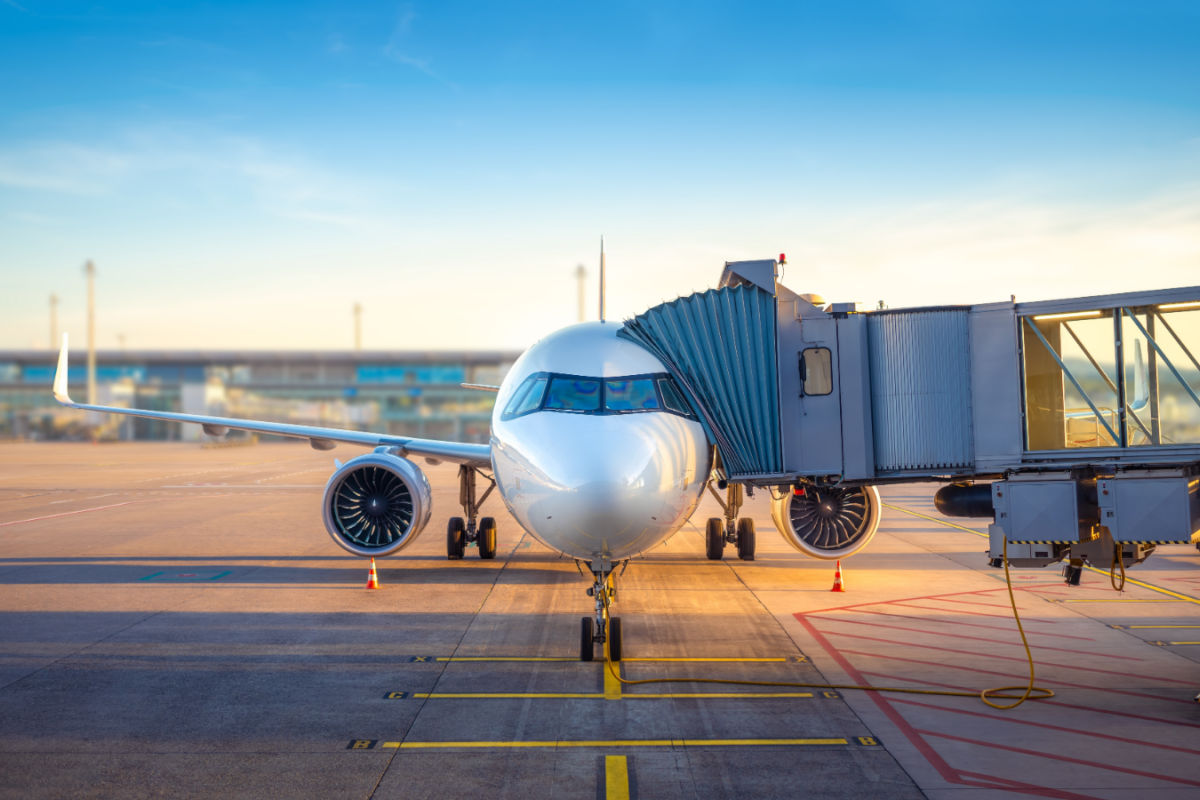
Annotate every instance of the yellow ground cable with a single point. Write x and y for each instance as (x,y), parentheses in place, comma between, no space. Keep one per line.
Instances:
(1028,692)
(1118,560)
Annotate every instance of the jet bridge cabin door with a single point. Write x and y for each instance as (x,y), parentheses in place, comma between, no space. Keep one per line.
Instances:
(812,424)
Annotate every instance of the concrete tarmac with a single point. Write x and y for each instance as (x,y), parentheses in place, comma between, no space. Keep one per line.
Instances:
(174,621)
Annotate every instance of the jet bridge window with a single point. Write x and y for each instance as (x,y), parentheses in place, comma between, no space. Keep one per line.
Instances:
(816,371)
(1112,377)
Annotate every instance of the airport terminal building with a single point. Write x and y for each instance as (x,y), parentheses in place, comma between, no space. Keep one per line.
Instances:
(406,393)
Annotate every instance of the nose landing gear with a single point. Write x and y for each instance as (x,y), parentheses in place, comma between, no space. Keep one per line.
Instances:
(603,627)
(461,533)
(730,529)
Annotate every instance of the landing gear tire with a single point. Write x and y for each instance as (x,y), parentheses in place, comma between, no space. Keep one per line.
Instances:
(745,539)
(487,537)
(587,640)
(614,638)
(714,537)
(456,532)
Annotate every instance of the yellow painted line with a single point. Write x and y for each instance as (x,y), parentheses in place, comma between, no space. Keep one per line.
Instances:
(602,743)
(783,660)
(500,658)
(934,519)
(717,695)
(612,686)
(599,696)
(1185,598)
(1175,643)
(616,778)
(1116,600)
(699,660)
(1179,597)
(509,695)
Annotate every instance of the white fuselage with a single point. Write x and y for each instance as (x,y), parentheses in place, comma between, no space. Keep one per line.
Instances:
(595,484)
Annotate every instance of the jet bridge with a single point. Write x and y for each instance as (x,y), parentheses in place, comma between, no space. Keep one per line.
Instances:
(1073,423)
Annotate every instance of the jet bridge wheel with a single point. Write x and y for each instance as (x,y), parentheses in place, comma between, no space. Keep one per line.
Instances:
(587,640)
(456,532)
(714,538)
(487,537)
(745,539)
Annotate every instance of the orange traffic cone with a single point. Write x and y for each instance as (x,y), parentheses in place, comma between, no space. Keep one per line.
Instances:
(837,579)
(372,578)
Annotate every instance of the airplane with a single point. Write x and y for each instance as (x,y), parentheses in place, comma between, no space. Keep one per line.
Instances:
(596,452)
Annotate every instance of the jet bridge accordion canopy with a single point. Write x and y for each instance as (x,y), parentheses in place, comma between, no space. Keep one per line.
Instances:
(720,345)
(791,387)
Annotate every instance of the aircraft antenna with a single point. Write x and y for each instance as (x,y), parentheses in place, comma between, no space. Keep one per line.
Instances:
(602,279)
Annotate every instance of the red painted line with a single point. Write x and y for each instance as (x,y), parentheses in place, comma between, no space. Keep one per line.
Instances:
(1067,759)
(65,514)
(973,603)
(1030,589)
(1015,643)
(935,760)
(1011,677)
(1058,703)
(976,624)
(1027,788)
(1047,726)
(1008,616)
(1016,658)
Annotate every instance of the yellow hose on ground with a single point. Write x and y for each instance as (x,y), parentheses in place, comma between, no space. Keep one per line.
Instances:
(1028,692)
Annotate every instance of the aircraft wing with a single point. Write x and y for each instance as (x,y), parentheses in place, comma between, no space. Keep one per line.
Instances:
(475,455)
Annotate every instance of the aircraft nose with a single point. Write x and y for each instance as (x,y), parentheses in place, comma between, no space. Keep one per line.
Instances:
(620,501)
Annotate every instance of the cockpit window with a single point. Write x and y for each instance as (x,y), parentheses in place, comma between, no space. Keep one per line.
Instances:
(630,394)
(573,394)
(672,398)
(528,397)
(583,395)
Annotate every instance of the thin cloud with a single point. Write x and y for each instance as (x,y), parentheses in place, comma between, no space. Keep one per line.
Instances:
(396,49)
(63,167)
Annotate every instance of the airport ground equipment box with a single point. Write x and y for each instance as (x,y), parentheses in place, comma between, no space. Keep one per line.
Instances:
(793,388)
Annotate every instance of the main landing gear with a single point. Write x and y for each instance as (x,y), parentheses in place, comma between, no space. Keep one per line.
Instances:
(730,529)
(461,533)
(603,627)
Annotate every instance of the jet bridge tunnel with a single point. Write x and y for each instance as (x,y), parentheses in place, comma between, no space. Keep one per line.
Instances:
(1074,424)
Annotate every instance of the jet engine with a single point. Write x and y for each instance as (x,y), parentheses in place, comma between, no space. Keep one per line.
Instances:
(826,521)
(376,504)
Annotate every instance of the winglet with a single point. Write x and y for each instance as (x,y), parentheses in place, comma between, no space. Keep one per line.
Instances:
(60,376)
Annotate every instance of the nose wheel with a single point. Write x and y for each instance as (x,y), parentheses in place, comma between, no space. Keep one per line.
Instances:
(731,530)
(602,629)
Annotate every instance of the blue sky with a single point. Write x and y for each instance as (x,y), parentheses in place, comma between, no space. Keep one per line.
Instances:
(243,173)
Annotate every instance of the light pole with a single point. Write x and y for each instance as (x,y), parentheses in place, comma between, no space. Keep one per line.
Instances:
(358,326)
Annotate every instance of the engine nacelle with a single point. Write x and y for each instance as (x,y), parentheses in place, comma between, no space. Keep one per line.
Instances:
(827,521)
(376,504)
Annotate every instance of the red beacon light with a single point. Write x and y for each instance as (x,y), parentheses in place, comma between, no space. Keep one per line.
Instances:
(783,258)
